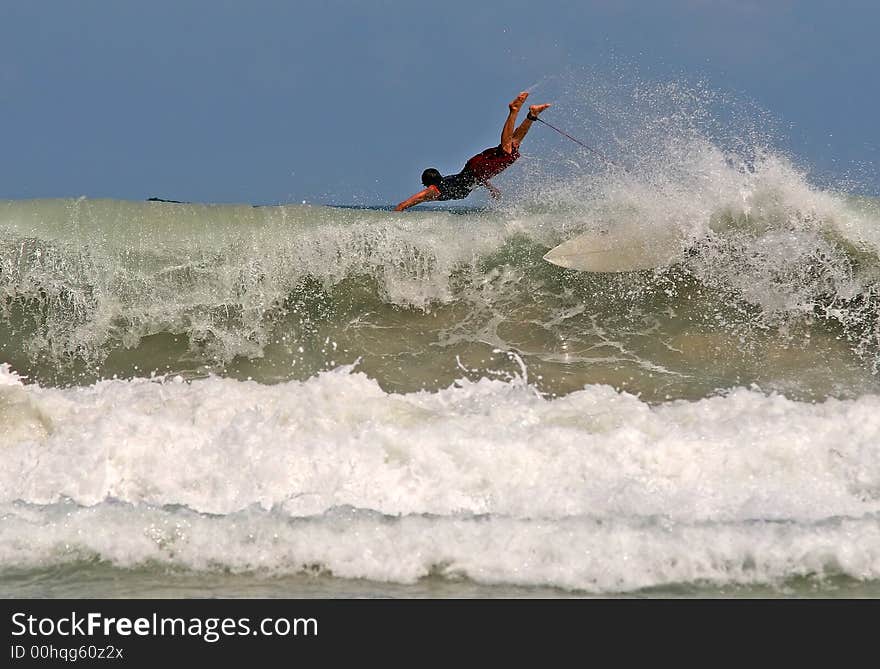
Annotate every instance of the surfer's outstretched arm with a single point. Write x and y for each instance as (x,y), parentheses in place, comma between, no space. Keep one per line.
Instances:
(493,191)
(427,195)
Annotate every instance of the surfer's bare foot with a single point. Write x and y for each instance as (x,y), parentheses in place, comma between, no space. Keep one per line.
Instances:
(534,110)
(518,101)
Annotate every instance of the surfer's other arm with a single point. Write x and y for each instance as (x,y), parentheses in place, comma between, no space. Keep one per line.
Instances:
(493,191)
(427,195)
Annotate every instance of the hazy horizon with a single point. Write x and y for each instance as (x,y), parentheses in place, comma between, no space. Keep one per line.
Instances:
(347,102)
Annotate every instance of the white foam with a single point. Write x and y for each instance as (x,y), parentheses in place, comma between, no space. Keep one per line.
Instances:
(589,554)
(487,477)
(219,445)
(105,271)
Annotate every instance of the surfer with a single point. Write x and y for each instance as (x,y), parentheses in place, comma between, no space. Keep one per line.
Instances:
(483,166)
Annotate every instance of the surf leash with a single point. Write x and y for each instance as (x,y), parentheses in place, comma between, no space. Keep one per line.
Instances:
(577,141)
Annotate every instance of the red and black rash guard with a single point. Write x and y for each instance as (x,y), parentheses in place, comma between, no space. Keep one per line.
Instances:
(476,171)
(490,162)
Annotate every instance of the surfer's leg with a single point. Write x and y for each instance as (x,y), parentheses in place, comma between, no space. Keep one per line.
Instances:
(523,128)
(507,131)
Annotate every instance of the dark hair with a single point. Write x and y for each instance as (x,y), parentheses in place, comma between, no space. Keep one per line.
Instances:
(431,177)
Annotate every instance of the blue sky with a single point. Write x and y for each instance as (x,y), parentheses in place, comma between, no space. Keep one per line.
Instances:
(346,102)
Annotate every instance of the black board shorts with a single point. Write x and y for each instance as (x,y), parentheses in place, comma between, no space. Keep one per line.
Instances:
(457,186)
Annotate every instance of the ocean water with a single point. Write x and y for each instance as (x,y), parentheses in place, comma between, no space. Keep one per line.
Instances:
(300,400)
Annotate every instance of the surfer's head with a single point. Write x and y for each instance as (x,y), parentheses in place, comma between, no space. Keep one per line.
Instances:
(431,177)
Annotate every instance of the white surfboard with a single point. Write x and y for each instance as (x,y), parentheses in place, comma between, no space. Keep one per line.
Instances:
(622,247)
